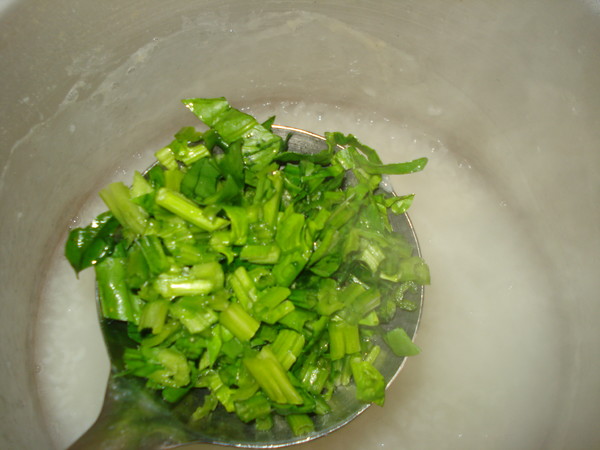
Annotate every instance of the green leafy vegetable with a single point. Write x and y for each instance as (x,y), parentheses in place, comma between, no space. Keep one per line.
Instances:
(264,276)
(400,343)
(86,246)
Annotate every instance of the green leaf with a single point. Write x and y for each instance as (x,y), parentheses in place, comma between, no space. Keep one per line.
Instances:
(200,181)
(89,245)
(400,343)
(370,384)
(260,146)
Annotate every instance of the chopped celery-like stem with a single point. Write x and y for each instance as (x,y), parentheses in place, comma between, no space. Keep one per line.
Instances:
(273,296)
(271,206)
(118,199)
(154,315)
(277,313)
(154,254)
(183,207)
(166,157)
(261,254)
(241,324)
(211,271)
(342,371)
(373,354)
(174,371)
(218,300)
(315,373)
(193,314)
(175,285)
(287,346)
(270,305)
(253,408)
(214,345)
(337,345)
(193,154)
(344,339)
(362,305)
(372,254)
(173,178)
(300,424)
(113,295)
(243,287)
(272,377)
(297,318)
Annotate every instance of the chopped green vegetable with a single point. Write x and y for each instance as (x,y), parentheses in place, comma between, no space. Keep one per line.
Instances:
(301,424)
(154,316)
(183,207)
(86,246)
(370,384)
(114,295)
(131,216)
(400,343)
(241,324)
(265,277)
(253,408)
(272,377)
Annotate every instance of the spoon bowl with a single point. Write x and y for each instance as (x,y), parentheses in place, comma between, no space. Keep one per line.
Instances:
(134,417)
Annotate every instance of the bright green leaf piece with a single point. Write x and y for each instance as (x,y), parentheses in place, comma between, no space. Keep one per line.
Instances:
(370,384)
(91,244)
(400,343)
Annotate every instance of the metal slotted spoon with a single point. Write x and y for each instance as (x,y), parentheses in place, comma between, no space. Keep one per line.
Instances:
(134,418)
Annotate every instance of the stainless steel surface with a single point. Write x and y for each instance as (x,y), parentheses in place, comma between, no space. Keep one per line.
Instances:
(503,95)
(133,418)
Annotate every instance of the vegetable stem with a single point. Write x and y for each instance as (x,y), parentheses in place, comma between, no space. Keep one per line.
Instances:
(241,324)
(188,211)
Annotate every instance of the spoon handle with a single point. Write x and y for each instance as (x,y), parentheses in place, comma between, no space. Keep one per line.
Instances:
(131,419)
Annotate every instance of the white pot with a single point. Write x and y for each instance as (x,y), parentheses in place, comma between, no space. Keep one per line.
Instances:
(503,97)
